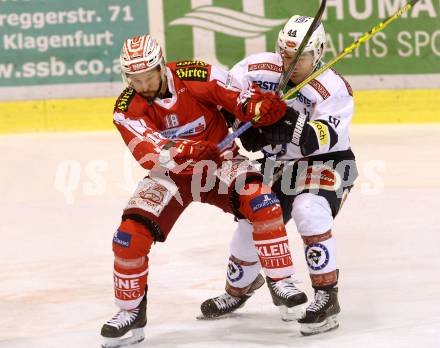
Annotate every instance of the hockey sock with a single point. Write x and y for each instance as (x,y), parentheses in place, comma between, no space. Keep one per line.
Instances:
(131,245)
(269,233)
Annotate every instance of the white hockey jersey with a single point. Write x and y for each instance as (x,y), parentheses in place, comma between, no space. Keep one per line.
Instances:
(327,101)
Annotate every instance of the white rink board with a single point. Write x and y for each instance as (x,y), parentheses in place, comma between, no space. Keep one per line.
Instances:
(56,280)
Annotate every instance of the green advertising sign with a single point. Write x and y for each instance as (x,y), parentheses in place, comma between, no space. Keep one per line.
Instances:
(52,41)
(225,31)
(46,42)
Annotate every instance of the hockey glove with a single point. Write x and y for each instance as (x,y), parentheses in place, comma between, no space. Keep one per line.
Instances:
(182,151)
(288,129)
(253,139)
(268,106)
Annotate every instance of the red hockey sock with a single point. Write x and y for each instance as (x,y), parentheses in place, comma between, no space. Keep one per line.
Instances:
(131,245)
(264,212)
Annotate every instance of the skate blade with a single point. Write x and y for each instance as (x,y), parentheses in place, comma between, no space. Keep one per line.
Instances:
(331,323)
(202,317)
(218,317)
(137,336)
(292,313)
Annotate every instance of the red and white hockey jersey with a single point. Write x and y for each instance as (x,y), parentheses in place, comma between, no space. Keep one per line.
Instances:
(327,101)
(190,113)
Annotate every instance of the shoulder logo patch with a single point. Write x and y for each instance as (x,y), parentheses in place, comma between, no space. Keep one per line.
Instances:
(124,99)
(192,74)
(265,66)
(319,87)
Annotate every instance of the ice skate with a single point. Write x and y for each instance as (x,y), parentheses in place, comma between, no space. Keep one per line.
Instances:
(321,314)
(226,304)
(288,298)
(123,323)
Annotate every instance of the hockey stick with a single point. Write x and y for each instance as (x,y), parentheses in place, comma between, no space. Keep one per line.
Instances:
(315,24)
(223,144)
(286,75)
(352,47)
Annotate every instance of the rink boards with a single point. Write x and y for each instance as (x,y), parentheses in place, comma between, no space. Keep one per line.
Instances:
(372,106)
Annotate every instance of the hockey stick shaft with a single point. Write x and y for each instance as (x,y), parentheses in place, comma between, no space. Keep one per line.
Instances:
(285,77)
(316,22)
(352,47)
(318,72)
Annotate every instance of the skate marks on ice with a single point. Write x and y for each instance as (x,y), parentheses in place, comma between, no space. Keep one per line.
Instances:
(56,284)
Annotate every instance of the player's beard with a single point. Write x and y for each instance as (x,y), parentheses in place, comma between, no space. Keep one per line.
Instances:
(150,100)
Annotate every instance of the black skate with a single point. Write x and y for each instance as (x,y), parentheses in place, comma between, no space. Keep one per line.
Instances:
(321,314)
(226,304)
(288,298)
(123,322)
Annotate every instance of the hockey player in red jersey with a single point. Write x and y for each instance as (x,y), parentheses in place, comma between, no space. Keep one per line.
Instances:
(169,119)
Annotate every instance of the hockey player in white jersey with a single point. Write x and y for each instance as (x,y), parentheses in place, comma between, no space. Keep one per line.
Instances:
(314,169)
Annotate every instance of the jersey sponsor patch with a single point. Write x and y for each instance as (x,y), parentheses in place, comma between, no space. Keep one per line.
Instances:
(321,131)
(306,101)
(265,66)
(121,238)
(125,99)
(264,201)
(274,255)
(267,85)
(192,128)
(193,74)
(318,177)
(319,87)
(191,63)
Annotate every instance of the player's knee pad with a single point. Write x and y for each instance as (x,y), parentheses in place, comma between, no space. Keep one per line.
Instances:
(244,265)
(258,203)
(131,246)
(132,240)
(312,214)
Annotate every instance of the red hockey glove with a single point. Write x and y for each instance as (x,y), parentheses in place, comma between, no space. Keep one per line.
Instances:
(183,151)
(267,105)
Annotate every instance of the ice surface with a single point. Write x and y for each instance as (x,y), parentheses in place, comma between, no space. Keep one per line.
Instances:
(56,259)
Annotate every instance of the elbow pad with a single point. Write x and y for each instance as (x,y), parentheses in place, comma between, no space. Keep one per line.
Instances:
(317,135)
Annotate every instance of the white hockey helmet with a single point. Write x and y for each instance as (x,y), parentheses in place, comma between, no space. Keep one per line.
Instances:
(291,36)
(140,54)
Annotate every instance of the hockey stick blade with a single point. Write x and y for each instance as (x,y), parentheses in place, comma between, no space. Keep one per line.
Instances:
(230,138)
